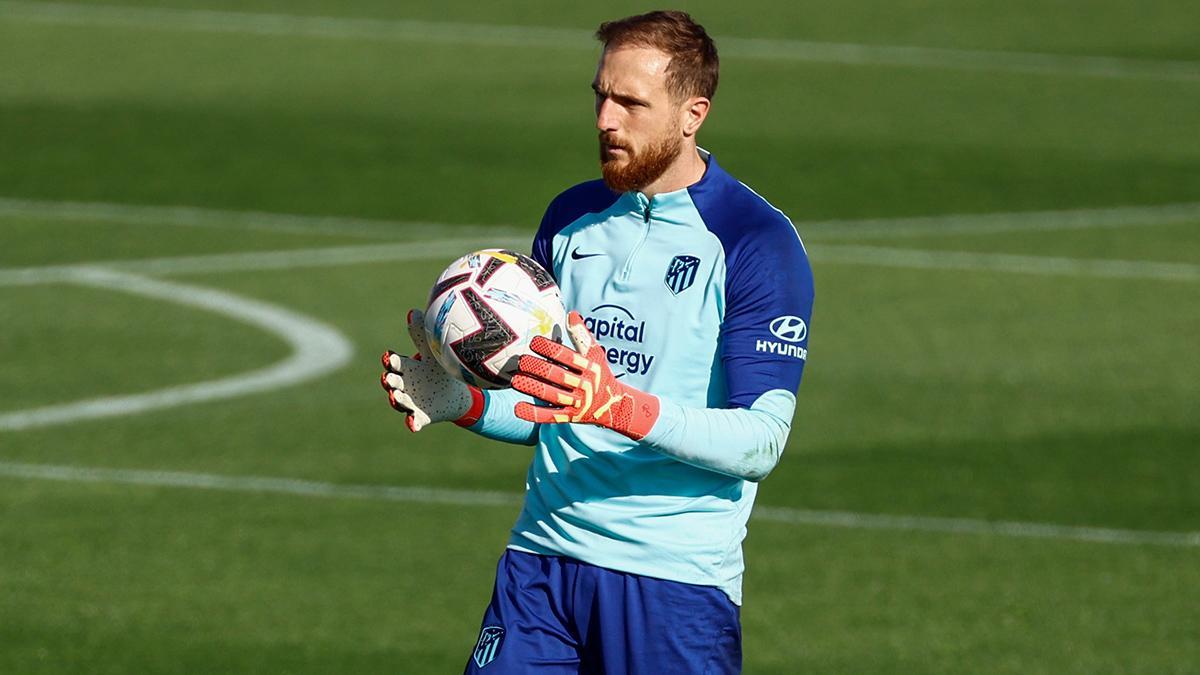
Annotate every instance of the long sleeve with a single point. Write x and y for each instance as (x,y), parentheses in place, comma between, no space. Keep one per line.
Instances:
(498,421)
(763,350)
(741,442)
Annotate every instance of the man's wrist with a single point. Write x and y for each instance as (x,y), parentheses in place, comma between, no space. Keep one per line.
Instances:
(474,410)
(645,414)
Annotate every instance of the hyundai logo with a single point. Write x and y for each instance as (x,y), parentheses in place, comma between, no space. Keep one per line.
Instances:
(789,328)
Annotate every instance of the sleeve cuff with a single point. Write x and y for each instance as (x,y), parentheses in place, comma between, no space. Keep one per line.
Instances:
(478,403)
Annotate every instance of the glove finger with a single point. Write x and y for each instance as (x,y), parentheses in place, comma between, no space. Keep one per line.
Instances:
(580,335)
(557,353)
(401,401)
(542,390)
(544,370)
(397,363)
(392,361)
(417,420)
(531,413)
(416,330)
(391,381)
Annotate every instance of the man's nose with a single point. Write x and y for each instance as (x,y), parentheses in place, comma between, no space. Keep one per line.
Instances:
(606,118)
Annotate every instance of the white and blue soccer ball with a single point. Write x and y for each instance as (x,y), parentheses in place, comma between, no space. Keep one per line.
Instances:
(485,309)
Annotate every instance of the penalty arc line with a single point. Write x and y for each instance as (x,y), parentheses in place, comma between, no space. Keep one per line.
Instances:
(517,36)
(428,495)
(317,349)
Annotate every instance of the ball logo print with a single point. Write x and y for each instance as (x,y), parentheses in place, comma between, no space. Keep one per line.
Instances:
(493,335)
(789,328)
(483,311)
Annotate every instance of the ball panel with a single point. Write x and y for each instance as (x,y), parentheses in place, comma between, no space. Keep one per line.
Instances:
(485,309)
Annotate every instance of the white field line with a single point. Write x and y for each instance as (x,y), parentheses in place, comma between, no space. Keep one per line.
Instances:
(317,349)
(1010,221)
(191,216)
(405,30)
(266,260)
(960,223)
(875,521)
(881,256)
(877,256)
(428,495)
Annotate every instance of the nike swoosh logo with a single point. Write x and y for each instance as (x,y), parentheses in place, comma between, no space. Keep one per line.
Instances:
(576,255)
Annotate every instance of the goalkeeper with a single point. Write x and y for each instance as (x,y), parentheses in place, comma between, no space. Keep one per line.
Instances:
(627,554)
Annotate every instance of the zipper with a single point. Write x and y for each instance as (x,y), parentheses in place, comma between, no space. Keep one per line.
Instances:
(637,246)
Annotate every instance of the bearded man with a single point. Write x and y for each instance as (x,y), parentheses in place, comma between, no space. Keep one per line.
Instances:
(627,554)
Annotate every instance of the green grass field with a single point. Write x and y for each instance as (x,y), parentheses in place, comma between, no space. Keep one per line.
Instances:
(965,372)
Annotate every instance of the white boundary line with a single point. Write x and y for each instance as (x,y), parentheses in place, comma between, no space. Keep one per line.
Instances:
(1002,262)
(1134,216)
(565,38)
(450,248)
(317,349)
(264,260)
(1005,221)
(193,216)
(955,223)
(427,495)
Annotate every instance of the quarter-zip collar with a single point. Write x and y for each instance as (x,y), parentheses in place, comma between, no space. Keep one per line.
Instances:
(652,208)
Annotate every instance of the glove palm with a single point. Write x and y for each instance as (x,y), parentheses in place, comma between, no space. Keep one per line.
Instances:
(419,386)
(581,387)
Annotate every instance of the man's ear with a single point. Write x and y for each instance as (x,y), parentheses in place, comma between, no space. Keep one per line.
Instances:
(694,112)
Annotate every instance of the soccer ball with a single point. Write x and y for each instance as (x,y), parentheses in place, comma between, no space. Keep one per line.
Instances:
(485,309)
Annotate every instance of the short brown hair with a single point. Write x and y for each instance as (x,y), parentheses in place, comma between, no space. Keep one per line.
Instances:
(694,65)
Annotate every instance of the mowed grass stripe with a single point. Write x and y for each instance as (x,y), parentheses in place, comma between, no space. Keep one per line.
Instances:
(565,38)
(430,495)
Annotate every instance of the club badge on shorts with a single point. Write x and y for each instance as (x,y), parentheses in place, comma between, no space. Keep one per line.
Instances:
(681,273)
(490,639)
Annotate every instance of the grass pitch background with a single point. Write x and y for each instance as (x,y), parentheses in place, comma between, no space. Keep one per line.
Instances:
(996,395)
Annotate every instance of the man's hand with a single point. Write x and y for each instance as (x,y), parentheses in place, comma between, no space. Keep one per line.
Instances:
(420,387)
(580,386)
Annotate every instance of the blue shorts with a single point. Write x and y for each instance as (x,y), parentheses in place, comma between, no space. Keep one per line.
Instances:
(558,615)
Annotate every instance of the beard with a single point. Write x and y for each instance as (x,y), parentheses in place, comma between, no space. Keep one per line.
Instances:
(643,167)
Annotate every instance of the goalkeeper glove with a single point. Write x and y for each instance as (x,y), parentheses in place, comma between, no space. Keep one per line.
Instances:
(580,386)
(421,388)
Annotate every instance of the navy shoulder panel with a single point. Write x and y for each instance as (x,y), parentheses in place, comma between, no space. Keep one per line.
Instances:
(590,197)
(738,216)
(768,288)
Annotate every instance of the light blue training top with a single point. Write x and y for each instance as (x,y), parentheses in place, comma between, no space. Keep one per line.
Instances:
(702,297)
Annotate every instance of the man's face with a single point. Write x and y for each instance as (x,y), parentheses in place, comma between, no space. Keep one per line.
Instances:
(639,122)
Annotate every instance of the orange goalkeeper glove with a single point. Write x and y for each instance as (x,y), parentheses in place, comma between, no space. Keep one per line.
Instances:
(580,387)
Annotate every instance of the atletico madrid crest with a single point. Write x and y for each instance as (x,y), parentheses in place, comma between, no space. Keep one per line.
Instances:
(488,646)
(681,273)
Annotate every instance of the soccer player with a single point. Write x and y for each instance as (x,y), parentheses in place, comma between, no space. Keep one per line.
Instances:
(673,400)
